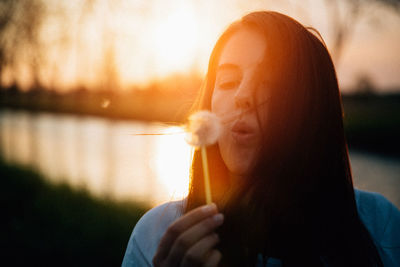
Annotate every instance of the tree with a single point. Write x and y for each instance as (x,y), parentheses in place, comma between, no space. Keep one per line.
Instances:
(344,20)
(20,23)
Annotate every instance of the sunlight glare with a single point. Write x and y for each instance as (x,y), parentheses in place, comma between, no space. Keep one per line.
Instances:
(175,40)
(172,161)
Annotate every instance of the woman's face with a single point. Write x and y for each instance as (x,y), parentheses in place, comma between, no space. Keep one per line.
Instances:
(236,97)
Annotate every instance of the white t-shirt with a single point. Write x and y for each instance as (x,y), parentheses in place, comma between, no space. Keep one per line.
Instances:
(380,217)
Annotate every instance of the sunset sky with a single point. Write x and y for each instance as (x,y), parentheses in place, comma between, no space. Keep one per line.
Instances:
(147,40)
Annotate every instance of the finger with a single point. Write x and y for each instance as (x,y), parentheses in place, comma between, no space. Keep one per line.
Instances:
(213,259)
(191,236)
(196,255)
(181,225)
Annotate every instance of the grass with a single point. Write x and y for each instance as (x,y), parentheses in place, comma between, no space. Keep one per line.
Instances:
(55,225)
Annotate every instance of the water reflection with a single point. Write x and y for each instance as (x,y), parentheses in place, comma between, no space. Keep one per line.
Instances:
(105,157)
(378,174)
(99,154)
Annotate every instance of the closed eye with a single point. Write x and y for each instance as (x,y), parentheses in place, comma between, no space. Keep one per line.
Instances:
(229,85)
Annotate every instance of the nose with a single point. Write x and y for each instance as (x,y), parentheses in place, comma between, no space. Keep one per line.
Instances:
(243,98)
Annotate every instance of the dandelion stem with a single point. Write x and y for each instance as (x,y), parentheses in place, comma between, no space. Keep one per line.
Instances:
(206,175)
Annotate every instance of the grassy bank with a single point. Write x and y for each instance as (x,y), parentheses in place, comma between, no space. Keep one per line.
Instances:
(372,123)
(163,101)
(54,225)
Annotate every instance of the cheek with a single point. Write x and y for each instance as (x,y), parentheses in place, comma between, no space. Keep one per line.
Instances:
(237,158)
(215,104)
(221,103)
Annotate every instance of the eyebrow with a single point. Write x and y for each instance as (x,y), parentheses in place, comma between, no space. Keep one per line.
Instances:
(228,66)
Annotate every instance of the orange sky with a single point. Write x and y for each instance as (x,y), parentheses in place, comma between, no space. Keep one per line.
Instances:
(154,38)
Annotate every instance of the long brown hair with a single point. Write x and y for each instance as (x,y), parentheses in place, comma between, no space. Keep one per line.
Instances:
(299,203)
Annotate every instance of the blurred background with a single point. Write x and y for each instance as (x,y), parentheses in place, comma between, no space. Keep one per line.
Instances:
(79,79)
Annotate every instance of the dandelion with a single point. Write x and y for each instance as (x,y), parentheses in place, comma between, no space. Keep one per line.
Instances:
(203,130)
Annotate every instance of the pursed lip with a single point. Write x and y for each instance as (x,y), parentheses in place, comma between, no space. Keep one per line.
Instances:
(242,132)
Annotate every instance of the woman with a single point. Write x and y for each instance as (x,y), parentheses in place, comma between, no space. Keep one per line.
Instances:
(280,170)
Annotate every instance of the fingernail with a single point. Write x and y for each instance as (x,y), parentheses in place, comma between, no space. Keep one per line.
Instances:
(209,207)
(218,218)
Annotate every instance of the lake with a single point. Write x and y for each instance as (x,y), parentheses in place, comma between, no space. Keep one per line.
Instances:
(110,160)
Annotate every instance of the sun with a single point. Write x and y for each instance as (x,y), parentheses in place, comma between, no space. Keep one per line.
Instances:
(175,40)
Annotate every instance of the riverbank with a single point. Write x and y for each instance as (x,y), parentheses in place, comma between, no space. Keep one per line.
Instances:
(46,224)
(371,121)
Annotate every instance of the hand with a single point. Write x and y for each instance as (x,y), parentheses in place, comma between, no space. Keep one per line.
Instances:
(190,240)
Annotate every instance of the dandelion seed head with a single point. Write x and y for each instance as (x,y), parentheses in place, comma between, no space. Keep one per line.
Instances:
(203,129)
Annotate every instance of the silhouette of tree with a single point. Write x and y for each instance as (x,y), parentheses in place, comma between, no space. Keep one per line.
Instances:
(20,24)
(343,20)
(7,9)
(365,85)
